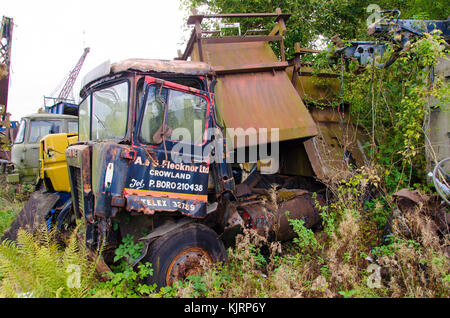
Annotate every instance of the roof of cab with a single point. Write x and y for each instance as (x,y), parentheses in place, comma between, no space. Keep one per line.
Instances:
(50,116)
(148,65)
(166,66)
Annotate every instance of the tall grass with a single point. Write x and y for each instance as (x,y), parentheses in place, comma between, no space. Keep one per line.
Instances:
(346,259)
(12,199)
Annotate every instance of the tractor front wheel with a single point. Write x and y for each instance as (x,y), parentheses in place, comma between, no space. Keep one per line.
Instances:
(182,252)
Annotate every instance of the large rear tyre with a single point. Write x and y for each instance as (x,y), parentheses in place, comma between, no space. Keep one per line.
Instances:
(181,253)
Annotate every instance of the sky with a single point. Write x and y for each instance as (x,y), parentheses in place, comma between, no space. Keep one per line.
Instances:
(49,38)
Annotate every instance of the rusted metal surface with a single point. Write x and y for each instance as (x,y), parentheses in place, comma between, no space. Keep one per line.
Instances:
(301,207)
(427,211)
(277,33)
(413,196)
(176,66)
(253,90)
(78,158)
(233,55)
(32,217)
(338,147)
(271,218)
(262,67)
(267,203)
(188,262)
(320,88)
(263,100)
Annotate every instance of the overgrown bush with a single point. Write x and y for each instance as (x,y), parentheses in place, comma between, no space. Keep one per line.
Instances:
(393,105)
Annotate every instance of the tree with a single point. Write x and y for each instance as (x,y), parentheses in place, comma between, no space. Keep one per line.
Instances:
(313,18)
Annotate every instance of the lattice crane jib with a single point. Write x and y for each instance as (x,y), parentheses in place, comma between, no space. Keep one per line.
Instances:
(67,88)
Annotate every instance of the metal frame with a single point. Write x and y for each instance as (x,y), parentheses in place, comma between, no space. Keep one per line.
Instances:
(277,33)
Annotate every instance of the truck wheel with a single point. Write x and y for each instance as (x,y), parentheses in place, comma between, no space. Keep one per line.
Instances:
(180,253)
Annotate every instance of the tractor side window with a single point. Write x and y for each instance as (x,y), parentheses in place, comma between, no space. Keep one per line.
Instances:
(153,114)
(84,121)
(109,112)
(186,112)
(41,128)
(21,133)
(186,115)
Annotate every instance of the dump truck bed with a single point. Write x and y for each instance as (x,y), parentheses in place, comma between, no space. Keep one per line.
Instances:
(253,89)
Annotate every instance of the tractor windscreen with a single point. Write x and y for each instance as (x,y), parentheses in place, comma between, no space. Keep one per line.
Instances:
(185,116)
(103,114)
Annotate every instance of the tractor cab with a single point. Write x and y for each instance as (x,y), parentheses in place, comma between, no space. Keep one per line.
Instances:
(144,145)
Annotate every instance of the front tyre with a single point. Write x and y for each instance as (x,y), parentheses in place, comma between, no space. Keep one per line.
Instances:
(181,253)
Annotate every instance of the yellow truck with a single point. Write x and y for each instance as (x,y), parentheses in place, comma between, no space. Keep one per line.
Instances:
(52,161)
(52,202)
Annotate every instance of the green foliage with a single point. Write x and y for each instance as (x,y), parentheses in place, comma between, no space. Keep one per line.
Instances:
(347,293)
(36,266)
(12,199)
(305,239)
(128,250)
(311,18)
(7,215)
(199,287)
(124,281)
(395,109)
(393,105)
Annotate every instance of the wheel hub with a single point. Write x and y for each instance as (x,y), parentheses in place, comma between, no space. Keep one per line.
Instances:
(188,262)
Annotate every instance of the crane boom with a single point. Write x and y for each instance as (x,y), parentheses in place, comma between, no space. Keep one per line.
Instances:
(65,91)
(5,61)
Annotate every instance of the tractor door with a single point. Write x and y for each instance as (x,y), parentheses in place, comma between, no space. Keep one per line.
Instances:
(171,168)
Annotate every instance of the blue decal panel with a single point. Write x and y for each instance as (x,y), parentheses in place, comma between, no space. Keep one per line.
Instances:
(156,183)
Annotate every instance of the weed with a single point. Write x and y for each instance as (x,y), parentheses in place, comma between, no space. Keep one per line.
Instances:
(124,281)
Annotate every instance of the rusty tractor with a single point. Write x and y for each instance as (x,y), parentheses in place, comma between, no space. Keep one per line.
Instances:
(182,155)
(185,154)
